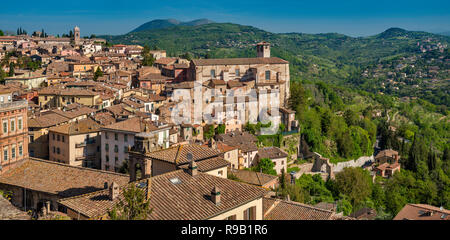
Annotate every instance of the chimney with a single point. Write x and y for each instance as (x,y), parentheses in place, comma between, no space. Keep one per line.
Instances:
(113,191)
(215,195)
(193,168)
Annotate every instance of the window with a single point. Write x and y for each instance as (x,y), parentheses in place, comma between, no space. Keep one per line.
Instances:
(54,150)
(213,73)
(107,147)
(267,75)
(125,149)
(106,135)
(58,137)
(107,158)
(62,138)
(116,136)
(250,213)
(58,151)
(116,148)
(20,149)
(13,151)
(5,126)
(13,125)
(116,159)
(125,137)
(53,136)
(5,154)
(1,99)
(19,123)
(232,217)
(237,72)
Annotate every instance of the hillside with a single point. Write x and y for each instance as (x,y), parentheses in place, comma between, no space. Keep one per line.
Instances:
(165,23)
(330,57)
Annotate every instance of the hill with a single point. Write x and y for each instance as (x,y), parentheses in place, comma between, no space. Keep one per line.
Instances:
(329,57)
(165,23)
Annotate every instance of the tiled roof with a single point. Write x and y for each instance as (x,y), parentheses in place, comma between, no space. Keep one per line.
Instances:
(254,178)
(134,124)
(74,128)
(422,212)
(238,61)
(60,179)
(47,120)
(178,154)
(209,164)
(187,200)
(386,153)
(165,60)
(244,140)
(75,112)
(289,210)
(271,153)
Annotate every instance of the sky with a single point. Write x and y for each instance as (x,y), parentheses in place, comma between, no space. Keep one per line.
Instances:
(350,17)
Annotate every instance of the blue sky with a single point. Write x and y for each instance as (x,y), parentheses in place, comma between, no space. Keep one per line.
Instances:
(351,17)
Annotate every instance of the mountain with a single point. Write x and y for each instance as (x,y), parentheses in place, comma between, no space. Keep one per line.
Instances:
(445,33)
(165,23)
(329,57)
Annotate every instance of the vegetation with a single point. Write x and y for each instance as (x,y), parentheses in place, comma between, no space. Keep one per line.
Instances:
(98,73)
(265,165)
(133,206)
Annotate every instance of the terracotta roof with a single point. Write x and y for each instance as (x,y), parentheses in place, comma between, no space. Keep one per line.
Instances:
(244,140)
(74,128)
(271,153)
(238,61)
(60,179)
(178,154)
(74,112)
(165,60)
(422,212)
(104,118)
(209,164)
(234,83)
(386,153)
(186,200)
(46,120)
(289,210)
(134,124)
(254,178)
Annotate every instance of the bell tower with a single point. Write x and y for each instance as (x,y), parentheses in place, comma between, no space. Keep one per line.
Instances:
(76,34)
(263,50)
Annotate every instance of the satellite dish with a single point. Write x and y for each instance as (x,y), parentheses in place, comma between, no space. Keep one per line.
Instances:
(189,156)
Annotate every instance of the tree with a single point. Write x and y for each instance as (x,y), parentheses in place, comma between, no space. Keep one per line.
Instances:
(265,165)
(133,206)
(220,129)
(11,69)
(98,73)
(355,183)
(209,133)
(417,153)
(1,33)
(148,58)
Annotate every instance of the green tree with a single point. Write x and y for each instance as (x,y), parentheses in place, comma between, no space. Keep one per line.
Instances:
(265,165)
(98,73)
(209,133)
(133,206)
(1,33)
(355,183)
(148,58)
(220,129)
(11,70)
